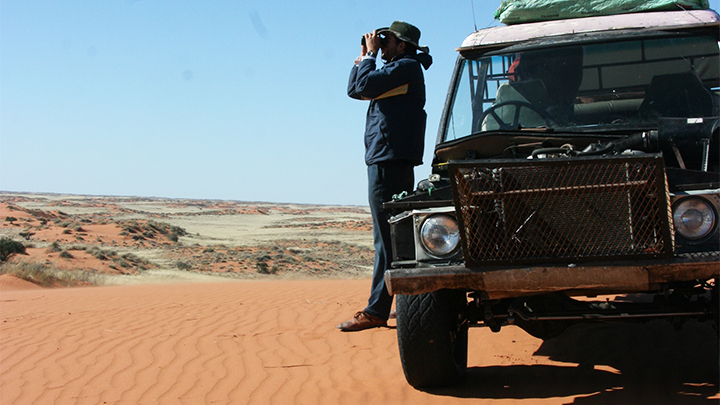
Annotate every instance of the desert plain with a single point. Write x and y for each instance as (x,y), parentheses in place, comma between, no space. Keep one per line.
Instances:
(126,300)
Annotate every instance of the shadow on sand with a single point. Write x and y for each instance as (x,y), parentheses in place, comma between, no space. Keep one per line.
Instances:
(610,363)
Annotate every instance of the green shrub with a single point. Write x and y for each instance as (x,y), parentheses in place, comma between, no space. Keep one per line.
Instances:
(27,234)
(54,247)
(183,265)
(178,230)
(262,268)
(100,254)
(128,260)
(9,247)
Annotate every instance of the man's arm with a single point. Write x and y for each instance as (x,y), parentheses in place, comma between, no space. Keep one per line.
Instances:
(366,82)
(371,83)
(351,84)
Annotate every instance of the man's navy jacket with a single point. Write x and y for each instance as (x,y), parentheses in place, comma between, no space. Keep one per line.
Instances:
(396,119)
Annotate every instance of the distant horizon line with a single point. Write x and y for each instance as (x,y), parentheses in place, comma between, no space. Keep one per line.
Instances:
(48,193)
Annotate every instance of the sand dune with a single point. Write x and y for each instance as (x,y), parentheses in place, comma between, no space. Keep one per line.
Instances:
(275,342)
(12,283)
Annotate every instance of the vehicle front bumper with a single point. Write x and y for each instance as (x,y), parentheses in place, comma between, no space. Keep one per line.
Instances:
(508,282)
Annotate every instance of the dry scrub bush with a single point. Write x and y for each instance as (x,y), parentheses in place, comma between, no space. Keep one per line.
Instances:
(45,275)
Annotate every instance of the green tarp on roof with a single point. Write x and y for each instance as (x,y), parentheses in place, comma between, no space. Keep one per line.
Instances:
(524,11)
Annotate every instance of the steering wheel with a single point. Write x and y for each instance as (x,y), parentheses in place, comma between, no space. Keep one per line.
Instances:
(519,105)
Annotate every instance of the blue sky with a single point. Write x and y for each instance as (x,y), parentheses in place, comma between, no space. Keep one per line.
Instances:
(232,100)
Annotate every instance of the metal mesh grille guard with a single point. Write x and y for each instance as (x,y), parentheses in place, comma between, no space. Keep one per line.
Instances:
(568,210)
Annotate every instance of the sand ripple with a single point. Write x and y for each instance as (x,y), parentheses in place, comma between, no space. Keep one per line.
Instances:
(275,342)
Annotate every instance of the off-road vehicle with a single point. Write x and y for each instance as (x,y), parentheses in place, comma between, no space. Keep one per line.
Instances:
(575,158)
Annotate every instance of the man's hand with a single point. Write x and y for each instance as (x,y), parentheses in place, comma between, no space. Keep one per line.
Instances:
(372,43)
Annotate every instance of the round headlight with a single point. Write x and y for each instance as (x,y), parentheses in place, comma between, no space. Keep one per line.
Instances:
(694,218)
(440,235)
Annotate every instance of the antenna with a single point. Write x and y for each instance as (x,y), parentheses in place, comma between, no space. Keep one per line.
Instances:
(472,5)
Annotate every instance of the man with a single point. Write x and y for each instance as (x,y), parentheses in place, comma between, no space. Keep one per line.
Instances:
(394,141)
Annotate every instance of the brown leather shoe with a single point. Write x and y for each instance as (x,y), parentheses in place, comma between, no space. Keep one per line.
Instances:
(362,320)
(393,314)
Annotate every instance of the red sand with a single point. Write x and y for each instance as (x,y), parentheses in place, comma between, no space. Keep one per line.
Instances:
(275,342)
(12,283)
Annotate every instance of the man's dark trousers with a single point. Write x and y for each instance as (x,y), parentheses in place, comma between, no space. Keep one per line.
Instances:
(385,179)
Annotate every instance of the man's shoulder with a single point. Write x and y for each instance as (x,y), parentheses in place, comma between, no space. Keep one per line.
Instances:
(415,60)
(405,62)
(405,59)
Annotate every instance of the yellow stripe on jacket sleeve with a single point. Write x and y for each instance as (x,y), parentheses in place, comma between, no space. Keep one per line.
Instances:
(398,91)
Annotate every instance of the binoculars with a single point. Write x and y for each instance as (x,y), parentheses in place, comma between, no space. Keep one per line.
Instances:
(383,40)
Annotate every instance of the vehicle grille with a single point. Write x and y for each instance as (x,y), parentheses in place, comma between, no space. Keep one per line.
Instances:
(567,210)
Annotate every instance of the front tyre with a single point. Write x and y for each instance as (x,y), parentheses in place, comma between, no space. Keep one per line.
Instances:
(433,337)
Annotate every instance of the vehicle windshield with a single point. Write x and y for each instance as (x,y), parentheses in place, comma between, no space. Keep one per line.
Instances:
(604,86)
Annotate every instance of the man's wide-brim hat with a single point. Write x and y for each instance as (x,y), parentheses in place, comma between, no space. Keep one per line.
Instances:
(406,33)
